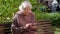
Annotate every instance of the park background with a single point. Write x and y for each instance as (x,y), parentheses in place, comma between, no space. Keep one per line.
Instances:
(9,7)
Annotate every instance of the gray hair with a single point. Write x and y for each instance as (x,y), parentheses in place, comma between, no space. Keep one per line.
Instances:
(24,5)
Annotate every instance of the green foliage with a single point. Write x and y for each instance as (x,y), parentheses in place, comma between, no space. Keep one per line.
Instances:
(10,7)
(53,17)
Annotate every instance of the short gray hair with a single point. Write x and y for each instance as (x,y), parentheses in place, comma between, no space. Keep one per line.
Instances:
(24,5)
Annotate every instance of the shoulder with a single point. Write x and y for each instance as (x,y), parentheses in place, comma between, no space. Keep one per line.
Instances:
(32,14)
(14,16)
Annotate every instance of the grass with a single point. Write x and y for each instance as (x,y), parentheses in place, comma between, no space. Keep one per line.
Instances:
(57,30)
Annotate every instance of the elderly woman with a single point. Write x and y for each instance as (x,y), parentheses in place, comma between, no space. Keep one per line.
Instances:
(24,20)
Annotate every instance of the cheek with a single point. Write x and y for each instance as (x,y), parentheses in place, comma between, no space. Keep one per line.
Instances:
(28,9)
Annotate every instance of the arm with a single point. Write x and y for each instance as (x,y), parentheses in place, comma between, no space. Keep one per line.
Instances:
(33,20)
(34,23)
(14,26)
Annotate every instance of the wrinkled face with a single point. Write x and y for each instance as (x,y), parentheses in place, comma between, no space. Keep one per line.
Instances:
(27,9)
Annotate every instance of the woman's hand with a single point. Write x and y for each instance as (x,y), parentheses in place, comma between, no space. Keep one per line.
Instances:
(27,26)
(30,26)
(33,27)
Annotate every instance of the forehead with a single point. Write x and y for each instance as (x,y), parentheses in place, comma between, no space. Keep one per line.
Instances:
(27,4)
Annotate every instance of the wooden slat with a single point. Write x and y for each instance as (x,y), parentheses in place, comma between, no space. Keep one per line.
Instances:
(44,23)
(44,27)
(46,32)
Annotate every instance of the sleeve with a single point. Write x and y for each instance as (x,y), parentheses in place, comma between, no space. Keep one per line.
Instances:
(14,27)
(33,20)
(20,21)
(34,28)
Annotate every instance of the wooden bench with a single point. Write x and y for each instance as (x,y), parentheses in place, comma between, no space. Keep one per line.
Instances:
(44,27)
(2,28)
(5,28)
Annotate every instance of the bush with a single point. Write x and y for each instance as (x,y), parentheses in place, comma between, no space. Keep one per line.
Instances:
(10,7)
(53,17)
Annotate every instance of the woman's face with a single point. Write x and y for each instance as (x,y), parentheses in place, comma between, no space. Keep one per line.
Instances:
(27,10)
